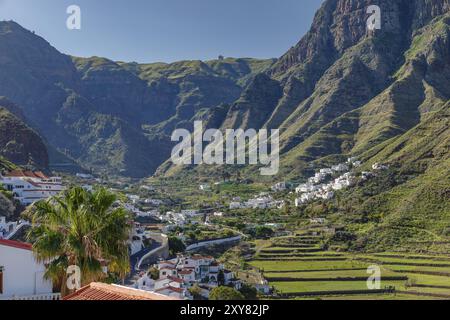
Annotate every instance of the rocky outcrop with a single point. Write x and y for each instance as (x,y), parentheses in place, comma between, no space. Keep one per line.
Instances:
(19,143)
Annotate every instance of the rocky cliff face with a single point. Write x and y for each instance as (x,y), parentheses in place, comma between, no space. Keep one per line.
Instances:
(340,90)
(19,143)
(108,115)
(344,89)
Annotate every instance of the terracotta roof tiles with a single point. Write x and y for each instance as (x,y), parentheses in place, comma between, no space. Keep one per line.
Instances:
(16,244)
(101,291)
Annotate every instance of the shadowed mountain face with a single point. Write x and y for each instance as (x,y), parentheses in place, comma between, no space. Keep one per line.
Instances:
(344,89)
(19,143)
(341,90)
(108,115)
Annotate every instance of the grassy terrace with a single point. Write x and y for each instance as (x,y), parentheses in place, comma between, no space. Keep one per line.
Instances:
(321,286)
(293,271)
(329,274)
(298,265)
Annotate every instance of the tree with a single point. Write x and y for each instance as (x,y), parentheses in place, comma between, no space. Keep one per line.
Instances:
(249,292)
(263,232)
(83,229)
(176,245)
(196,292)
(153,273)
(225,294)
(221,278)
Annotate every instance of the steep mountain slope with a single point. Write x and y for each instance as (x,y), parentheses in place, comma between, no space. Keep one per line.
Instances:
(107,115)
(406,207)
(19,143)
(420,87)
(343,89)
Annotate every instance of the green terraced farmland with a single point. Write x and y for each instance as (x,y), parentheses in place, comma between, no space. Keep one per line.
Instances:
(410,256)
(397,296)
(434,270)
(317,255)
(296,273)
(411,262)
(445,293)
(290,250)
(429,280)
(297,265)
(327,286)
(354,273)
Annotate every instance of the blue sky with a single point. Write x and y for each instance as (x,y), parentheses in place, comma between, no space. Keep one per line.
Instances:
(168,30)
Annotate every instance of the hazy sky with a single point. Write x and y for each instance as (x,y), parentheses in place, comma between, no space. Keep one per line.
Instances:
(167,30)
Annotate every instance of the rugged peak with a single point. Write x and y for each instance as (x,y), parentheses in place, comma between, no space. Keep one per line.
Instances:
(341,24)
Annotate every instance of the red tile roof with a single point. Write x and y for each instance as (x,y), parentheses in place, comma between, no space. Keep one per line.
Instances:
(102,291)
(185,272)
(178,290)
(166,262)
(175,279)
(199,257)
(30,174)
(168,268)
(16,244)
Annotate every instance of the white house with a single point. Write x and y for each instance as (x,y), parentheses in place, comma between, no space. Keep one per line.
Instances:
(185,271)
(29,187)
(85,176)
(306,187)
(327,171)
(179,293)
(340,167)
(190,213)
(279,187)
(378,166)
(167,271)
(235,205)
(20,274)
(326,195)
(145,283)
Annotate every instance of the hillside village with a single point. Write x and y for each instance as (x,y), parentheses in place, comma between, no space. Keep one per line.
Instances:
(93,207)
(317,187)
(178,275)
(186,274)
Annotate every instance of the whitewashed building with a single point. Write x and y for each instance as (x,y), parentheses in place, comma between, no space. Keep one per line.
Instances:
(20,274)
(279,187)
(29,187)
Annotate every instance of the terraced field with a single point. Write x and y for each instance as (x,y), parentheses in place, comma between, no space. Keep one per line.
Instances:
(297,267)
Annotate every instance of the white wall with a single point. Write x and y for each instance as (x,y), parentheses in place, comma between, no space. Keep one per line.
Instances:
(22,275)
(212,242)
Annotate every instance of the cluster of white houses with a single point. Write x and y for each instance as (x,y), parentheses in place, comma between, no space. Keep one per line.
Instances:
(318,188)
(176,276)
(173,219)
(260,202)
(29,187)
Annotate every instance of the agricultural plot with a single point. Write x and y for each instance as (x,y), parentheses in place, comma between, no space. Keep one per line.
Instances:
(308,287)
(296,267)
(427,275)
(329,274)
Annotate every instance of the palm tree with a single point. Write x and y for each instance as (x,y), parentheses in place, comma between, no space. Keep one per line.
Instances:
(84,229)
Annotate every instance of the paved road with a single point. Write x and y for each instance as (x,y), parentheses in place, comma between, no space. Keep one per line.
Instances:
(135,258)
